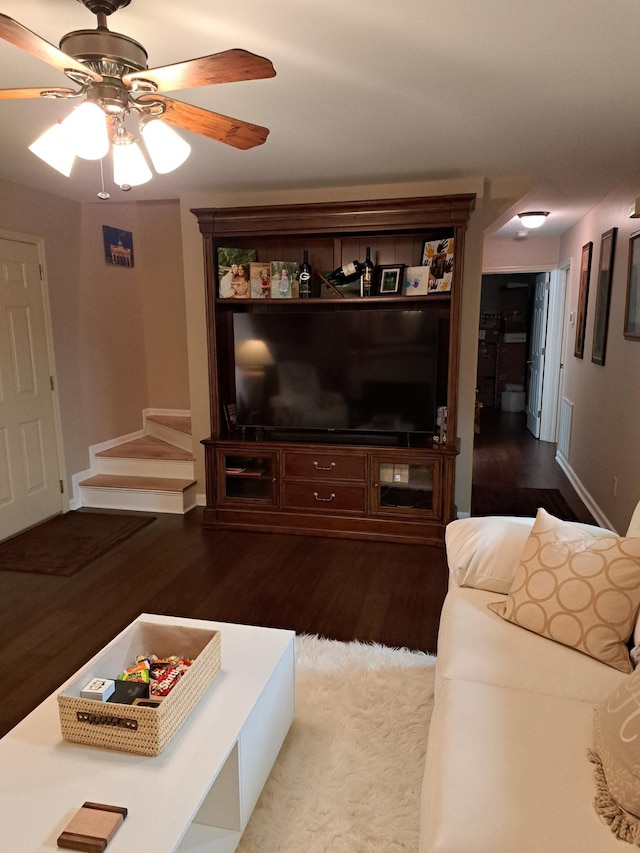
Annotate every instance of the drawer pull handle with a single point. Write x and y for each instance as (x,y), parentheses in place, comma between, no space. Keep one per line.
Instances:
(323,468)
(324,500)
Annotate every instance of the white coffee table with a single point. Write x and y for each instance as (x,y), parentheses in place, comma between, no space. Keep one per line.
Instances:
(197,795)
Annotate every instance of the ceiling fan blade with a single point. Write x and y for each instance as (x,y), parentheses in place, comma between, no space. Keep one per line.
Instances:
(232,131)
(16,94)
(227,67)
(21,37)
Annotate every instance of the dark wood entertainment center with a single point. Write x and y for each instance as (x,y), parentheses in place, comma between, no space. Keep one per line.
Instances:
(351,486)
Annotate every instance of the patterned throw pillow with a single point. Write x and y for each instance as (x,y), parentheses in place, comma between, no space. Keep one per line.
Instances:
(616,757)
(577,589)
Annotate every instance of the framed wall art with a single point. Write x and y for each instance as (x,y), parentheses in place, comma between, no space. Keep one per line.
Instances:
(632,309)
(118,246)
(583,294)
(603,295)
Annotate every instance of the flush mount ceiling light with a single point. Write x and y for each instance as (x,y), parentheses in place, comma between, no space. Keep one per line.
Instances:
(533,218)
(111,72)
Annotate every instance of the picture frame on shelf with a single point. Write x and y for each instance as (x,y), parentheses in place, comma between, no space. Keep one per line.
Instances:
(284,279)
(389,279)
(583,297)
(603,296)
(234,276)
(632,306)
(438,256)
(416,281)
(260,275)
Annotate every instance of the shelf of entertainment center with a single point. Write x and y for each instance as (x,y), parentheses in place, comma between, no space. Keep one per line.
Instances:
(233,303)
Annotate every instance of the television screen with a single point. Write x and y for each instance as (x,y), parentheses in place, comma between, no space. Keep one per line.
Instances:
(362,370)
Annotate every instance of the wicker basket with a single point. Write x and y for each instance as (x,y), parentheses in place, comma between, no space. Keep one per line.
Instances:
(135,728)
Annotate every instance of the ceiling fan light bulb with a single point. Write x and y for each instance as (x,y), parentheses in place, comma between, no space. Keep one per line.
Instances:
(87,129)
(55,149)
(129,166)
(534,218)
(167,149)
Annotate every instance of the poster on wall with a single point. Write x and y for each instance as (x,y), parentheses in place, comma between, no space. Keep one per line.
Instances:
(118,246)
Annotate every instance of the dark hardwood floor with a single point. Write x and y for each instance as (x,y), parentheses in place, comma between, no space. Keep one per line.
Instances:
(341,589)
(507,455)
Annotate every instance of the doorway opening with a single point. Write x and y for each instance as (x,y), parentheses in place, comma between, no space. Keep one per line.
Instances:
(519,381)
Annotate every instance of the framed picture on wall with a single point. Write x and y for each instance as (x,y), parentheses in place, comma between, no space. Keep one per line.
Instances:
(583,294)
(632,309)
(603,295)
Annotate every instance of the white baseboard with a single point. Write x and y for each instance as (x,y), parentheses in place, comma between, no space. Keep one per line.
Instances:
(585,497)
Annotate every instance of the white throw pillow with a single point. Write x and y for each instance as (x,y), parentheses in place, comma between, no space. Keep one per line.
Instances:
(484,552)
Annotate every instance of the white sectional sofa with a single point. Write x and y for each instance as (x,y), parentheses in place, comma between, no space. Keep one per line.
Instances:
(507,768)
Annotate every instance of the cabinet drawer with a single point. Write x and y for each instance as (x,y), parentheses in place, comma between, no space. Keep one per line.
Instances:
(325,465)
(331,497)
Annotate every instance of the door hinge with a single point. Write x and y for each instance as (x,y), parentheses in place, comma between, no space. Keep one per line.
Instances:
(41,272)
(52,383)
(543,351)
(539,413)
(61,487)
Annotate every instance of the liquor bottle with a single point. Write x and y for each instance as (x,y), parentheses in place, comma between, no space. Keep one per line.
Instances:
(345,274)
(367,274)
(304,291)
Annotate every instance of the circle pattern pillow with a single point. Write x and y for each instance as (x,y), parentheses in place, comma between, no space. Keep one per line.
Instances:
(577,589)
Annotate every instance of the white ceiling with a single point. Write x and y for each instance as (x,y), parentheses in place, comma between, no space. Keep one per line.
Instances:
(373,91)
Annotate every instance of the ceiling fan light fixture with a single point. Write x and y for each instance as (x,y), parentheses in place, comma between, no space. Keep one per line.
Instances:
(86,127)
(166,148)
(55,149)
(129,166)
(533,218)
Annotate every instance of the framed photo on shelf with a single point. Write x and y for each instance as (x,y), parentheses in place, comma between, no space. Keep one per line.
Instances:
(416,281)
(234,280)
(389,278)
(284,279)
(632,308)
(603,295)
(260,274)
(437,255)
(583,295)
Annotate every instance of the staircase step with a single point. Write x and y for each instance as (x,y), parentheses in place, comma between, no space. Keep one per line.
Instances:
(146,457)
(175,429)
(147,447)
(151,494)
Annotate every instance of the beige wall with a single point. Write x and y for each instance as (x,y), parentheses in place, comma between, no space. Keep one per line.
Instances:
(119,334)
(195,300)
(606,398)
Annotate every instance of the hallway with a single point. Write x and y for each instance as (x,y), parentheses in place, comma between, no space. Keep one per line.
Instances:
(507,455)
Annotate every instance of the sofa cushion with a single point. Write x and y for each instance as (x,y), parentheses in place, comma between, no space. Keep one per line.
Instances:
(484,552)
(577,589)
(616,757)
(506,772)
(475,644)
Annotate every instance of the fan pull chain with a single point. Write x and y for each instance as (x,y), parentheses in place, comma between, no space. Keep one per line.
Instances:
(103,194)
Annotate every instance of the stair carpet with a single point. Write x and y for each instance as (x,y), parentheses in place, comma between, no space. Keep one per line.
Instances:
(152,473)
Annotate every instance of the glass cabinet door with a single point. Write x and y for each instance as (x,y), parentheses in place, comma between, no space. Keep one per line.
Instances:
(247,476)
(410,487)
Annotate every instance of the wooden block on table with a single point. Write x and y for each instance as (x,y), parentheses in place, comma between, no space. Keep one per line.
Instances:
(92,827)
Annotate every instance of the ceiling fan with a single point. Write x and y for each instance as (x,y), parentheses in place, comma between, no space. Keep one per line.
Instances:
(110,69)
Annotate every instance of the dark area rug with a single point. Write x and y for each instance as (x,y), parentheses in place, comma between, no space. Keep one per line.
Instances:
(66,543)
(486,500)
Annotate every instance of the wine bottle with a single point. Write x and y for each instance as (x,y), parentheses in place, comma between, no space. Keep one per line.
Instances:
(304,290)
(345,274)
(367,274)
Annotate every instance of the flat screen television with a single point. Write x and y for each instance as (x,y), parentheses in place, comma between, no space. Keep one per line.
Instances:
(357,371)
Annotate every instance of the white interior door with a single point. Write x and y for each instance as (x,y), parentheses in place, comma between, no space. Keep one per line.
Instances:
(29,461)
(537,354)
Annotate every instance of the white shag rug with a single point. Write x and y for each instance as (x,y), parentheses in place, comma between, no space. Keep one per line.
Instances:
(349,775)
